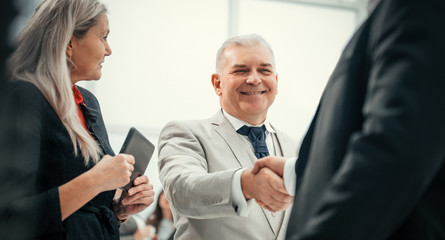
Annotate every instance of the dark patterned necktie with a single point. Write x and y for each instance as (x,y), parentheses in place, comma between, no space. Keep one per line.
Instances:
(257,136)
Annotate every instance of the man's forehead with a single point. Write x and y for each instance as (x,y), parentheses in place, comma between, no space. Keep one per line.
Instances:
(241,65)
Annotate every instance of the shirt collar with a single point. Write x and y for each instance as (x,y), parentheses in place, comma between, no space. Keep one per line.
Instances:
(78,98)
(237,124)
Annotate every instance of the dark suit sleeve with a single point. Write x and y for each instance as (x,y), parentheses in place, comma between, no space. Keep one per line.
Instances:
(393,159)
(22,207)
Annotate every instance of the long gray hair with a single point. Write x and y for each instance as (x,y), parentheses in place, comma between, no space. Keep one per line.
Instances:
(40,58)
(241,40)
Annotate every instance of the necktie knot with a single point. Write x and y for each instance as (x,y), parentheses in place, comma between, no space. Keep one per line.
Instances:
(257,136)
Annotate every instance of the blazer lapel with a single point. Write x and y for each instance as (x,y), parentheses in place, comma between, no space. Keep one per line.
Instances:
(94,121)
(96,129)
(242,152)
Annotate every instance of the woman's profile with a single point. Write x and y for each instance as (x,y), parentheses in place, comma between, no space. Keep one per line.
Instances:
(63,144)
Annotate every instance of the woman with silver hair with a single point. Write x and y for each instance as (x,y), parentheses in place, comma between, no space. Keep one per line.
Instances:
(64,148)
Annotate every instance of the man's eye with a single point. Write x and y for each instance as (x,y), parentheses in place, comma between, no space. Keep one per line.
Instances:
(241,71)
(106,37)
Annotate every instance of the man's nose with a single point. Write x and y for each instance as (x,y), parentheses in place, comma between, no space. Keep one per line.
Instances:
(253,78)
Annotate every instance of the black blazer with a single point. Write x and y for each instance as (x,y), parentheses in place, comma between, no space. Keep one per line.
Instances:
(42,159)
(372,163)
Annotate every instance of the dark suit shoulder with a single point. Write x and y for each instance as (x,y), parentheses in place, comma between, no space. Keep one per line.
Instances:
(24,97)
(25,90)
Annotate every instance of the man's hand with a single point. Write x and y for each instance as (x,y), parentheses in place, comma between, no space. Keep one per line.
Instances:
(276,164)
(267,188)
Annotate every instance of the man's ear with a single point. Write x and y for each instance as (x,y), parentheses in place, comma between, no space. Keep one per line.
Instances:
(216,82)
(276,80)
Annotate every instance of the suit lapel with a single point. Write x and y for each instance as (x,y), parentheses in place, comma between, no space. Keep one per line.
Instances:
(96,129)
(242,153)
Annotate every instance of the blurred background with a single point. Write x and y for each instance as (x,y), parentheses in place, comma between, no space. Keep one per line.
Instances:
(164,54)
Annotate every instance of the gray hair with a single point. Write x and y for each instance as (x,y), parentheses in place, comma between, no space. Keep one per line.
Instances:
(40,58)
(241,40)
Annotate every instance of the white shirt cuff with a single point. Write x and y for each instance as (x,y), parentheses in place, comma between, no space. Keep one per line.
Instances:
(289,175)
(239,202)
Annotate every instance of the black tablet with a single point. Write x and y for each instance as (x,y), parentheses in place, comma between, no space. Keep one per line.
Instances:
(137,145)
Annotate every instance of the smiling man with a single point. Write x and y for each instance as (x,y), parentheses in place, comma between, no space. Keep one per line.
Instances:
(205,164)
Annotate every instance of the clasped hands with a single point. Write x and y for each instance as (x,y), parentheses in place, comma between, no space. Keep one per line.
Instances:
(265,183)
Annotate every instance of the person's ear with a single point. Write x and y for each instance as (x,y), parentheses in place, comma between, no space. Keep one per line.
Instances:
(69,48)
(216,82)
(276,81)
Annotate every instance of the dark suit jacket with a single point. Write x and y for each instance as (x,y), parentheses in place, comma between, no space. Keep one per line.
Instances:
(372,163)
(42,160)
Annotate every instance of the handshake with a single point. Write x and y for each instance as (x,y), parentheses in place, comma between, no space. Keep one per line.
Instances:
(265,183)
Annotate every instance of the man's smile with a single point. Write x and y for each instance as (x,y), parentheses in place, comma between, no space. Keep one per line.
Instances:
(252,92)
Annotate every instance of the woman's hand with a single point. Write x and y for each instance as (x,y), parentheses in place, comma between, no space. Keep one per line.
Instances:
(113,172)
(108,174)
(136,199)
